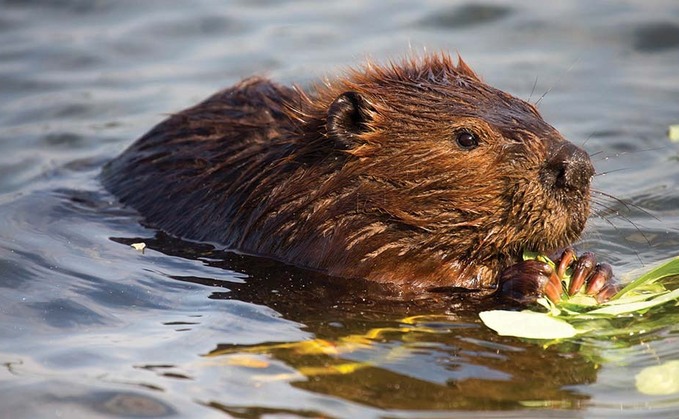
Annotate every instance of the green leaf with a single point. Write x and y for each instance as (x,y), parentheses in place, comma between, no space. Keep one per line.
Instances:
(660,379)
(673,133)
(581,314)
(582,300)
(527,324)
(670,268)
(549,305)
(530,255)
(634,297)
(617,309)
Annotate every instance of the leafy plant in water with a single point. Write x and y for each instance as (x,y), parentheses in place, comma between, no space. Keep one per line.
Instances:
(578,314)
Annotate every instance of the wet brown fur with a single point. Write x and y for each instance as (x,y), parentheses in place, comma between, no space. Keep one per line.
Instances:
(254,168)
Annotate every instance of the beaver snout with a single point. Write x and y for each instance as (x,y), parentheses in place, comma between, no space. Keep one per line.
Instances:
(568,168)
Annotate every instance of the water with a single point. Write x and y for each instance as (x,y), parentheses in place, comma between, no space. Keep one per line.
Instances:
(92,328)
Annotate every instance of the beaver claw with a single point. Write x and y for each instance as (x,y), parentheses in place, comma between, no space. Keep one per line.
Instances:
(528,280)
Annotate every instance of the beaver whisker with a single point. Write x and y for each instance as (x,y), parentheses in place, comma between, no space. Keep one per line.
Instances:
(624,153)
(584,143)
(559,81)
(626,203)
(532,90)
(617,214)
(608,172)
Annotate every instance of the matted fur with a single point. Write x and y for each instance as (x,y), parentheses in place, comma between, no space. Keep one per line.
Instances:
(254,168)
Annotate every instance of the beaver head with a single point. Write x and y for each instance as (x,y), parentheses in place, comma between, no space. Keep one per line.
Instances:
(416,173)
(450,178)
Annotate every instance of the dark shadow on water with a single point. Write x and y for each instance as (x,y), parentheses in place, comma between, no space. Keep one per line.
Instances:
(407,352)
(304,295)
(466,16)
(657,37)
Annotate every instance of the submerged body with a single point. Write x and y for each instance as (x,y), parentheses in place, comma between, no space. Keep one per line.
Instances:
(417,174)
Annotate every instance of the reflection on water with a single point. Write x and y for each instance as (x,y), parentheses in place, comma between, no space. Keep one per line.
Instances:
(92,328)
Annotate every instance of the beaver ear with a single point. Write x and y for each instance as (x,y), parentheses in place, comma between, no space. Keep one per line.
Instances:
(347,118)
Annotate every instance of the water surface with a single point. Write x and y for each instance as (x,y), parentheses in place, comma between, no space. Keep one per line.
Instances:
(89,327)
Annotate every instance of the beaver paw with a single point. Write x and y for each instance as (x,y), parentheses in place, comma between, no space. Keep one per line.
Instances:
(528,280)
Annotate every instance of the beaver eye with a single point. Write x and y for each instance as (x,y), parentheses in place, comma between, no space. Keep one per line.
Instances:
(466,140)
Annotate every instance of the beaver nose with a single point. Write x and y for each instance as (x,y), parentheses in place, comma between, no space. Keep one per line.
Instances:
(569,167)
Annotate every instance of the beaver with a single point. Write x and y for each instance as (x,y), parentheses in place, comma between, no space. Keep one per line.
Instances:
(414,173)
